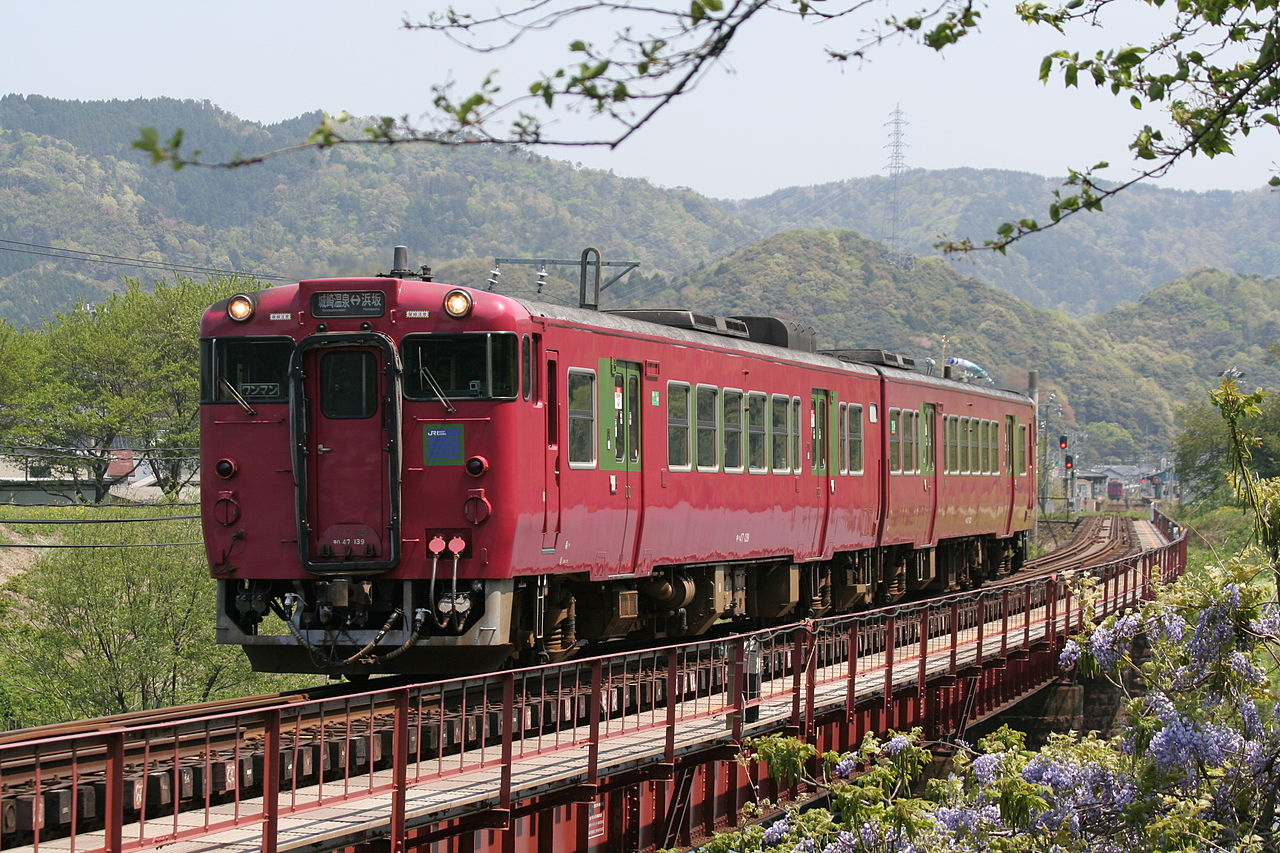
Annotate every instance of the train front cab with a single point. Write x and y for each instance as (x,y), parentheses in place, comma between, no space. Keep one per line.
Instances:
(307,452)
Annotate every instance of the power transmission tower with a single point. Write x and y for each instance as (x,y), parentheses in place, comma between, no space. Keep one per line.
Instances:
(897,146)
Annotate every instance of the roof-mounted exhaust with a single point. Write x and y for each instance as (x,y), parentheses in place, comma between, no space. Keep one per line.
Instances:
(400,267)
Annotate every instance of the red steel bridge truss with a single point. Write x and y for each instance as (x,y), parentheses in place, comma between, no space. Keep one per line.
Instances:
(629,752)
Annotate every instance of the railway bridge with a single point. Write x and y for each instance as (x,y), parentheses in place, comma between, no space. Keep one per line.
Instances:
(629,752)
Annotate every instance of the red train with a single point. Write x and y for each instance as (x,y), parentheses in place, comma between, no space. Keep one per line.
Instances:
(402,475)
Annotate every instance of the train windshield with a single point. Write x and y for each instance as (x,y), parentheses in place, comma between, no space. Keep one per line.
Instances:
(256,369)
(464,367)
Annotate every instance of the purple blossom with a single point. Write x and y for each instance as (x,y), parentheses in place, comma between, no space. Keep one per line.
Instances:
(1268,624)
(1183,744)
(1110,643)
(1161,705)
(968,819)
(986,766)
(1167,625)
(1214,632)
(846,767)
(896,745)
(1246,669)
(1082,794)
(1250,720)
(776,832)
(1070,654)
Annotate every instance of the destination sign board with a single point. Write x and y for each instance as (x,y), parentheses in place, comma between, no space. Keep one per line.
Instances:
(348,303)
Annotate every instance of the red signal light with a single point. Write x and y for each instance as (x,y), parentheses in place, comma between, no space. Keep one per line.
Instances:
(1069,461)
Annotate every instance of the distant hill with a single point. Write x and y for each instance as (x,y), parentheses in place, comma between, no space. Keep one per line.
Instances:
(1091,263)
(68,177)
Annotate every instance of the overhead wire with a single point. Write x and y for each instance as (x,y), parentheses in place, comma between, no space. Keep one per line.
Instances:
(122,260)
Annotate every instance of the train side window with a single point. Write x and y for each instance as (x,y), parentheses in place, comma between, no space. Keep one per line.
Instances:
(757,433)
(1022,450)
(780,409)
(795,434)
(526,366)
(619,420)
(1009,461)
(678,426)
(731,421)
(996,455)
(819,442)
(895,441)
(910,442)
(948,444)
(842,464)
(928,455)
(984,466)
(980,447)
(582,418)
(993,446)
(633,417)
(975,457)
(855,439)
(708,443)
(553,403)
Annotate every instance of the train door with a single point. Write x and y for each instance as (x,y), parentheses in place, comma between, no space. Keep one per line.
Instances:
(347,454)
(820,461)
(929,466)
(551,457)
(622,455)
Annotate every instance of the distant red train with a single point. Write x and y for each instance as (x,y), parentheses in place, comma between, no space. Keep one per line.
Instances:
(400,475)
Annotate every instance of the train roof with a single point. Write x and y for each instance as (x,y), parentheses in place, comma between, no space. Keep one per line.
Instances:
(632,323)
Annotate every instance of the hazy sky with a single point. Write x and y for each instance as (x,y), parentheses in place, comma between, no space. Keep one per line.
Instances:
(778,114)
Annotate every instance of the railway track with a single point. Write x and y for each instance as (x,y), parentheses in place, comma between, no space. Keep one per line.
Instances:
(53,779)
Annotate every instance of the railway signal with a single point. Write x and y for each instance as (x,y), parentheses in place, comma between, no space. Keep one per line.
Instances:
(1062,442)
(1069,461)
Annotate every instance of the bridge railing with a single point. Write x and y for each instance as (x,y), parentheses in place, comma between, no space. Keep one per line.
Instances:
(149,785)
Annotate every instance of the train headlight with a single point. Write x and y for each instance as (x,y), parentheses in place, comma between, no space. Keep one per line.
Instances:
(457,304)
(240,307)
(477,465)
(225,468)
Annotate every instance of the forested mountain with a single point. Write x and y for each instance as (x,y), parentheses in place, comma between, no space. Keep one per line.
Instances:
(1084,265)
(69,178)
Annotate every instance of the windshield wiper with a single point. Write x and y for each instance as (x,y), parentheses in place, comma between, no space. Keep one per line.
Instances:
(235,395)
(426,376)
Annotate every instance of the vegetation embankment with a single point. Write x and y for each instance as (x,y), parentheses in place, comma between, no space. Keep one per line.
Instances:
(119,621)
